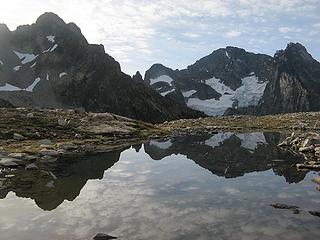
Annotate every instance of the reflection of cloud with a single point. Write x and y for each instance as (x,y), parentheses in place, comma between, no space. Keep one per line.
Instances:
(128,203)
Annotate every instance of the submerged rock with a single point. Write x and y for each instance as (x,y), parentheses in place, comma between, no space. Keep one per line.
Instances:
(283,206)
(102,236)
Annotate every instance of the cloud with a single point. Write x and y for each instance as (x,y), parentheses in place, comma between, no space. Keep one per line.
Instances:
(132,31)
(232,34)
(286,30)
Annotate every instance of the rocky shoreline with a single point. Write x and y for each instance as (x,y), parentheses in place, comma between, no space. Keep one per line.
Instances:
(30,135)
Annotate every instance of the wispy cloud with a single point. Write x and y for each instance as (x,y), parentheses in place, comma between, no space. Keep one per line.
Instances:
(138,33)
(232,34)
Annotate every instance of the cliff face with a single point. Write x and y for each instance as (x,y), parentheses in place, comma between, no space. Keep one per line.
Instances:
(51,64)
(296,83)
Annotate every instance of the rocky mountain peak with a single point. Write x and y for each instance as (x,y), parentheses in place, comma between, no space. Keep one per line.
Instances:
(50,18)
(294,52)
(137,77)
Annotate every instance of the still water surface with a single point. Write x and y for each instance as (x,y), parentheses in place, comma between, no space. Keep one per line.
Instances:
(201,187)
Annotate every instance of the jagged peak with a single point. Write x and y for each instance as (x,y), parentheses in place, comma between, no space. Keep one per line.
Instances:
(4,28)
(295,49)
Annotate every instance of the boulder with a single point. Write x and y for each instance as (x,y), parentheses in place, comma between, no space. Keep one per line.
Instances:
(17,136)
(49,153)
(8,162)
(45,142)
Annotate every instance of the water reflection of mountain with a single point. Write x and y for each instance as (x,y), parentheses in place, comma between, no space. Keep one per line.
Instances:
(53,183)
(232,155)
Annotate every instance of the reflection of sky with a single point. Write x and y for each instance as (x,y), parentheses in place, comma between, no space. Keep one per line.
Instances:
(169,199)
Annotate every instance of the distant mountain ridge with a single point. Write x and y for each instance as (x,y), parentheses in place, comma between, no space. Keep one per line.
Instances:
(50,64)
(233,81)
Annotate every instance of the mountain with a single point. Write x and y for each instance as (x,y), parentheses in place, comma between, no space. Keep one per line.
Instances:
(233,81)
(50,64)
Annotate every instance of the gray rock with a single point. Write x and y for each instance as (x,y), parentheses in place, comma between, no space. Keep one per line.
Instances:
(31,158)
(45,142)
(17,155)
(31,166)
(30,115)
(17,136)
(67,146)
(49,153)
(310,141)
(306,149)
(8,162)
(63,122)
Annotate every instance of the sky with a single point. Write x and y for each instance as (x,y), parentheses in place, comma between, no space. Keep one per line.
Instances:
(176,33)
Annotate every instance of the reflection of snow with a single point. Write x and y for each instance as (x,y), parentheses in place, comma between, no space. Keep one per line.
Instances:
(161,145)
(217,139)
(251,140)
(248,140)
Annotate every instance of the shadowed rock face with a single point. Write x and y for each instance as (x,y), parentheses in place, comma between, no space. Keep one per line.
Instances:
(232,155)
(51,64)
(52,183)
(289,81)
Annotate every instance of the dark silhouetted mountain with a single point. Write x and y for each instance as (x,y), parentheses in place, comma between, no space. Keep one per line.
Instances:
(51,64)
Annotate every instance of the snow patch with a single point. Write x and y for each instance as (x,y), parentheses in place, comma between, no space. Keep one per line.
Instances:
(249,141)
(33,65)
(25,57)
(62,74)
(249,94)
(163,78)
(227,54)
(219,86)
(16,68)
(211,107)
(47,77)
(188,93)
(161,145)
(51,38)
(54,47)
(48,50)
(1,63)
(165,93)
(32,86)
(10,88)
